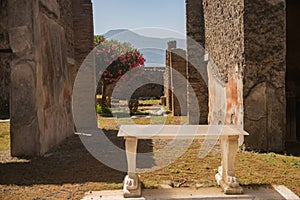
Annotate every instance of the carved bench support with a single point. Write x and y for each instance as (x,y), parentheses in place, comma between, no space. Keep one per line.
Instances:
(226,175)
(132,184)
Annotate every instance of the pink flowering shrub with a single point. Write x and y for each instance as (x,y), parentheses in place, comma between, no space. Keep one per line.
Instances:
(113,61)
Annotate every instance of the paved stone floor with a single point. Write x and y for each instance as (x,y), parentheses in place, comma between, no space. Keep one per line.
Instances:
(253,193)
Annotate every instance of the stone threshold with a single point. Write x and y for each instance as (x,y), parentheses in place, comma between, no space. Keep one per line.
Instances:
(274,192)
(4,120)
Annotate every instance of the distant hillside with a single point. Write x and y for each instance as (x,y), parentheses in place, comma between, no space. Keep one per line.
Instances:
(152,48)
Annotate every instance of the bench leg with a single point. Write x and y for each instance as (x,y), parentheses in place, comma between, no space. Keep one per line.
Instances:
(132,184)
(226,175)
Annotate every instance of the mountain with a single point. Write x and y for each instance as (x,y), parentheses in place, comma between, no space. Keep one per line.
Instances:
(153,49)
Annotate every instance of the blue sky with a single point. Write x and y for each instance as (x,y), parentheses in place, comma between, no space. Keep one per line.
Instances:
(136,14)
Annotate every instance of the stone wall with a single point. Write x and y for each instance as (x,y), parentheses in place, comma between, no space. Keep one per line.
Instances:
(167,76)
(245,41)
(178,82)
(151,85)
(224,45)
(152,90)
(5,58)
(83,31)
(175,80)
(66,21)
(196,67)
(264,74)
(41,41)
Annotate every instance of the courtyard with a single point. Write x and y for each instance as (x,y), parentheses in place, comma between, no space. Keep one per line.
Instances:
(69,171)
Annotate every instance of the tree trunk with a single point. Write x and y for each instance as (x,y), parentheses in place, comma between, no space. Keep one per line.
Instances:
(106,94)
(104,88)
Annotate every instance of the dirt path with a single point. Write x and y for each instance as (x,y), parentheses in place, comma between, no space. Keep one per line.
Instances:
(65,173)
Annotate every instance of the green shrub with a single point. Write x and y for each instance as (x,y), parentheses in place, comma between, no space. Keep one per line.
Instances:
(103,111)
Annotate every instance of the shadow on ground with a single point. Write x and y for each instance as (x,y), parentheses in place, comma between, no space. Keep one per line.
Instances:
(70,162)
(293,148)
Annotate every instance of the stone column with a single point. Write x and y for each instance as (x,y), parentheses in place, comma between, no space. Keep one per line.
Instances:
(83,31)
(179,82)
(196,67)
(41,114)
(167,75)
(5,59)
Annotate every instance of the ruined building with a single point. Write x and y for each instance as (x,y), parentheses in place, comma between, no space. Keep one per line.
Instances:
(251,53)
(253,64)
(43,43)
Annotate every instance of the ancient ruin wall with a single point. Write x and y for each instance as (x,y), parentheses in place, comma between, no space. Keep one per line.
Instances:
(195,44)
(264,74)
(83,32)
(178,82)
(41,86)
(5,58)
(224,46)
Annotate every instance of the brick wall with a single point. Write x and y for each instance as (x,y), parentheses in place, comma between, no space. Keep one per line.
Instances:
(83,31)
(178,81)
(196,67)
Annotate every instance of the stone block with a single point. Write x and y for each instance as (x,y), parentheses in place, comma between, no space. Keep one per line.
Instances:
(256,117)
(51,6)
(20,39)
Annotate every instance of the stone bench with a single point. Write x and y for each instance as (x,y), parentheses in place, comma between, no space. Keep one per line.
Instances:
(228,136)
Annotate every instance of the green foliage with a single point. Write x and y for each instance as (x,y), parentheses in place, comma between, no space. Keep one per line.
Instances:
(175,171)
(114,59)
(104,111)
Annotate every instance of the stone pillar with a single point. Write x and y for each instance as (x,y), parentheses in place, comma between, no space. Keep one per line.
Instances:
(41,87)
(179,82)
(224,38)
(83,31)
(264,74)
(196,67)
(66,20)
(167,76)
(5,59)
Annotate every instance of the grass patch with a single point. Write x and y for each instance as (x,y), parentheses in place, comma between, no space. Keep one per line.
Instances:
(4,136)
(149,101)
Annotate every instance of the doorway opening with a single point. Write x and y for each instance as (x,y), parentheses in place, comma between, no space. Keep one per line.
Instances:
(292,72)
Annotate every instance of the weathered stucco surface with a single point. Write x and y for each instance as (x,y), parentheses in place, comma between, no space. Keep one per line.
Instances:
(246,44)
(43,68)
(224,45)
